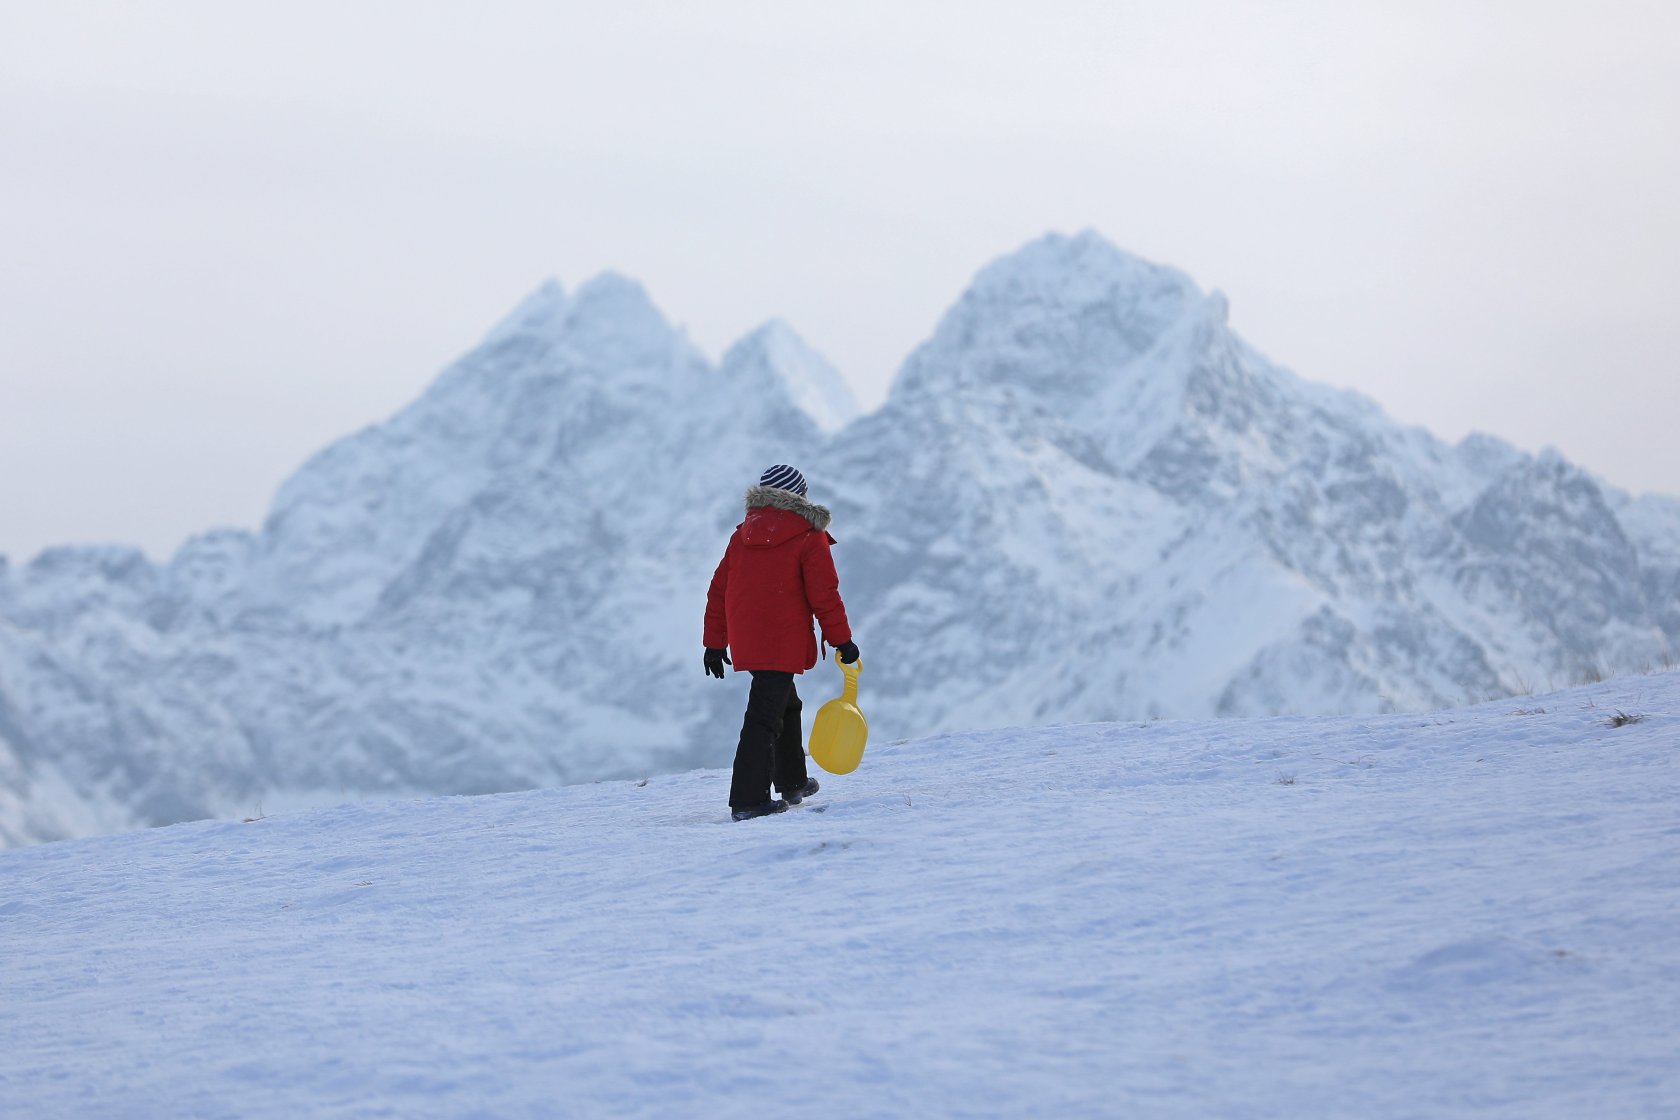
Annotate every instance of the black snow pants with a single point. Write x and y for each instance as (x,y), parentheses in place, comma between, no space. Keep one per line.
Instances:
(772,742)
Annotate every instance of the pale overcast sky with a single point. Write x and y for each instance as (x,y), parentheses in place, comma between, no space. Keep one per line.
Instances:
(231,232)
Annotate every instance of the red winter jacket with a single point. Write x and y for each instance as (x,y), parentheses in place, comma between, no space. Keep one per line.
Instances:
(776,573)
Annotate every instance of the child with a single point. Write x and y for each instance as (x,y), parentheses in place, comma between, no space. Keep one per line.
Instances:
(776,573)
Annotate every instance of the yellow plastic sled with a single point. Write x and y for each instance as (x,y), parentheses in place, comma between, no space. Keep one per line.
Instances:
(840,731)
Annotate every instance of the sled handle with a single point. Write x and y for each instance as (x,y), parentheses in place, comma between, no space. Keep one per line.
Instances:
(849,691)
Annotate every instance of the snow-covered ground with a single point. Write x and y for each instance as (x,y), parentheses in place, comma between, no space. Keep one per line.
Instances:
(1472,913)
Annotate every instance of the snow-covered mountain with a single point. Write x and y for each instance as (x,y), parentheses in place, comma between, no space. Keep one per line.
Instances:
(1086,498)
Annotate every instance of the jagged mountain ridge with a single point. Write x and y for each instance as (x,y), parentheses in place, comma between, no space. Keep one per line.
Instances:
(1085,498)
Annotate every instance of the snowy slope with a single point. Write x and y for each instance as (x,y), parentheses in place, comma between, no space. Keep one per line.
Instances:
(1086,499)
(1462,914)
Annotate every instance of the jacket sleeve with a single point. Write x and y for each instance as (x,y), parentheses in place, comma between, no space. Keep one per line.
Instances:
(822,590)
(717,617)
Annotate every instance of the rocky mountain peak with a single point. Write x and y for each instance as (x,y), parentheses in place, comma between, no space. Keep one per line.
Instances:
(1077,270)
(539,315)
(1061,318)
(612,320)
(775,359)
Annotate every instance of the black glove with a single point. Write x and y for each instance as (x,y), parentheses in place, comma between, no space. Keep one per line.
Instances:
(846,652)
(716,659)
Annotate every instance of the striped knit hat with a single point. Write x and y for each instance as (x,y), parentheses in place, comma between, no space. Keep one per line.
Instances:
(783,477)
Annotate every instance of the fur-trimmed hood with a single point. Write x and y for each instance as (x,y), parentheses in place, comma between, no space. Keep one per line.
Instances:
(760,496)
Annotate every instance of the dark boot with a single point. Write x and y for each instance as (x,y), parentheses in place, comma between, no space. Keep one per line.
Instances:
(804,791)
(763,810)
